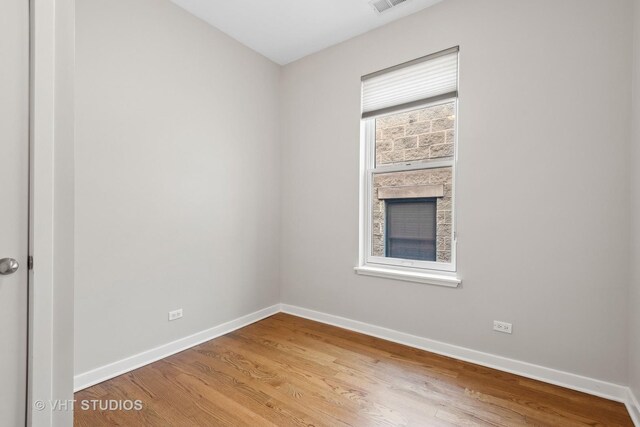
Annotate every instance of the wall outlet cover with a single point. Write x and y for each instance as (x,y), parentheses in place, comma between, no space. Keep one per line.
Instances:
(503,327)
(176,314)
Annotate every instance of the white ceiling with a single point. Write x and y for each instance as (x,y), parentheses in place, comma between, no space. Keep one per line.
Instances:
(286,30)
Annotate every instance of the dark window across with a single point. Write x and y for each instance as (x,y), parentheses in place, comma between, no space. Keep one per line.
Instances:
(411,229)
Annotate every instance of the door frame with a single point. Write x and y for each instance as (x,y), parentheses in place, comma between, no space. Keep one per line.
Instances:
(51,139)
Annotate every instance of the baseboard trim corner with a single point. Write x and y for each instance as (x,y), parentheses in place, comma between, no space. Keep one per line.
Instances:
(588,385)
(103,373)
(633,407)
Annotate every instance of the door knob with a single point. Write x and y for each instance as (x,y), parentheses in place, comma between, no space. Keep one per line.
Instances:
(8,266)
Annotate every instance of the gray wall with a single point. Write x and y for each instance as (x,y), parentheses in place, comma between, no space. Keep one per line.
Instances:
(634,300)
(179,171)
(177,178)
(64,221)
(543,189)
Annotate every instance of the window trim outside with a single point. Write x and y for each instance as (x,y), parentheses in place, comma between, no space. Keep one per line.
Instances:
(395,202)
(431,272)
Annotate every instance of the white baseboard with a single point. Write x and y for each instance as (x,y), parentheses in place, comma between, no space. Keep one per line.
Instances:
(588,385)
(633,407)
(103,373)
(564,379)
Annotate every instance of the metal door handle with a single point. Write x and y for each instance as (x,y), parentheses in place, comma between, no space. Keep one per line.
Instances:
(8,266)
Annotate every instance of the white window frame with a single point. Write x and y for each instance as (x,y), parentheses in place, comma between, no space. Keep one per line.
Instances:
(431,272)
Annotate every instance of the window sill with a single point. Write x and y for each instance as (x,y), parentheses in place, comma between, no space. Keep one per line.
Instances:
(450,281)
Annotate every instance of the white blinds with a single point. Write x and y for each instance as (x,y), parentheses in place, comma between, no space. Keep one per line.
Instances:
(420,81)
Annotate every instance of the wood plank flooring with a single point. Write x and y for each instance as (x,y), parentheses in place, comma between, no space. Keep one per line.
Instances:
(289,371)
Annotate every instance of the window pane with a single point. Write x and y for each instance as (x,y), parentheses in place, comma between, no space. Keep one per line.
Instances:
(394,188)
(411,229)
(425,134)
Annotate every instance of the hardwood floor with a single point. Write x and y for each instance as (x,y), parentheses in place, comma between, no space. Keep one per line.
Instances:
(286,371)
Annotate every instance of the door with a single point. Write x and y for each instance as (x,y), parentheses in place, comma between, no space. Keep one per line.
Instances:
(14,197)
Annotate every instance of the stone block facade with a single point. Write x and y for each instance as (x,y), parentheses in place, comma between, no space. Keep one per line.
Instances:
(416,135)
(426,134)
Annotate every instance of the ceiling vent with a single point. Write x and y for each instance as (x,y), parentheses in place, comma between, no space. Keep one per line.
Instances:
(384,5)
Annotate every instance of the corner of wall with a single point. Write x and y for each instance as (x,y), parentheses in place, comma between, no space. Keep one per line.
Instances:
(281,159)
(634,286)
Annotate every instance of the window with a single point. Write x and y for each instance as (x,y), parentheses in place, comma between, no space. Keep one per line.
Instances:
(409,123)
(411,229)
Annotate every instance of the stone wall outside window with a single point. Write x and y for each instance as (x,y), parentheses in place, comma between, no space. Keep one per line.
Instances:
(423,134)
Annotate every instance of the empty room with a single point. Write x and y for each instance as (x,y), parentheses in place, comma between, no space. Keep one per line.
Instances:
(332,213)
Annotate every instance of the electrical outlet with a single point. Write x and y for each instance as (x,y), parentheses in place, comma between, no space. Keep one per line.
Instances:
(176,314)
(503,327)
